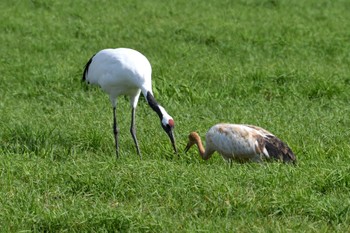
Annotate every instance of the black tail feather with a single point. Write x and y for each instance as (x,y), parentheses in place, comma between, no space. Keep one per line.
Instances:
(86,68)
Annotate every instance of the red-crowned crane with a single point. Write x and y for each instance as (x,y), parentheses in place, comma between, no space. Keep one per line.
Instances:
(241,143)
(124,71)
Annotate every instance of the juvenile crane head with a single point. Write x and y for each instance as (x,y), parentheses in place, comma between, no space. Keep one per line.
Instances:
(193,138)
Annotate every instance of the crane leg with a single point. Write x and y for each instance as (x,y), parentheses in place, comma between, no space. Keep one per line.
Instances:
(115,131)
(133,131)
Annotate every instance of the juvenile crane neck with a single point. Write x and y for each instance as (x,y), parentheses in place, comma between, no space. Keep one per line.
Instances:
(200,147)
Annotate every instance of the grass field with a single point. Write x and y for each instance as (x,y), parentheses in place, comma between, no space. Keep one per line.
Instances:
(279,64)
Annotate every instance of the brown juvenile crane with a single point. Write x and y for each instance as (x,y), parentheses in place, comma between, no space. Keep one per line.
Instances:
(241,143)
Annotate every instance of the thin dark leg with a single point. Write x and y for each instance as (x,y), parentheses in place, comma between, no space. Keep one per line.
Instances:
(230,162)
(115,131)
(133,132)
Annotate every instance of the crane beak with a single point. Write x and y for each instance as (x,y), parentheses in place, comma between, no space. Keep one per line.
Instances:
(170,133)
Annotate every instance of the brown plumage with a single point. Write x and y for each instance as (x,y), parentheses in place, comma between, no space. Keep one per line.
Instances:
(242,143)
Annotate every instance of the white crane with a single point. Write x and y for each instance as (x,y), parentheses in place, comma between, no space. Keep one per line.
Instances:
(124,71)
(241,143)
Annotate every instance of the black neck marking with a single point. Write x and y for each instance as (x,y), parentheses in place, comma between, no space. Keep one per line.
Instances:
(86,68)
(153,104)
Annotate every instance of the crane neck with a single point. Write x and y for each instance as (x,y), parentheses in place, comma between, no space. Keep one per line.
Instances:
(200,147)
(154,104)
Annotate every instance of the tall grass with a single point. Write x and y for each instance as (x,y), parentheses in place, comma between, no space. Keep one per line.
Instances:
(282,65)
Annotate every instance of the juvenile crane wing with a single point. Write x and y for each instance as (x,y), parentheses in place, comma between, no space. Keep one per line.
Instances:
(274,146)
(278,149)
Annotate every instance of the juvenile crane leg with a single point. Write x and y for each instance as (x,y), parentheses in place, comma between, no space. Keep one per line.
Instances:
(115,131)
(133,132)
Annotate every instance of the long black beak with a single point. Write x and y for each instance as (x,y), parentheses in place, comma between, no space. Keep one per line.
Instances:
(170,132)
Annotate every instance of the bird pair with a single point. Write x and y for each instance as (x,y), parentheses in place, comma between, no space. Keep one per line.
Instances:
(125,71)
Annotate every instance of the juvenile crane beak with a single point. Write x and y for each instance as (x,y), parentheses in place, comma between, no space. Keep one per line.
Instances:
(188,146)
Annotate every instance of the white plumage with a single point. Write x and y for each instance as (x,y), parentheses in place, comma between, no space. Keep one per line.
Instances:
(124,71)
(241,143)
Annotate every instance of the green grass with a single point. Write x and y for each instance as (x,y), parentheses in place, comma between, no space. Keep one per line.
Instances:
(282,65)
